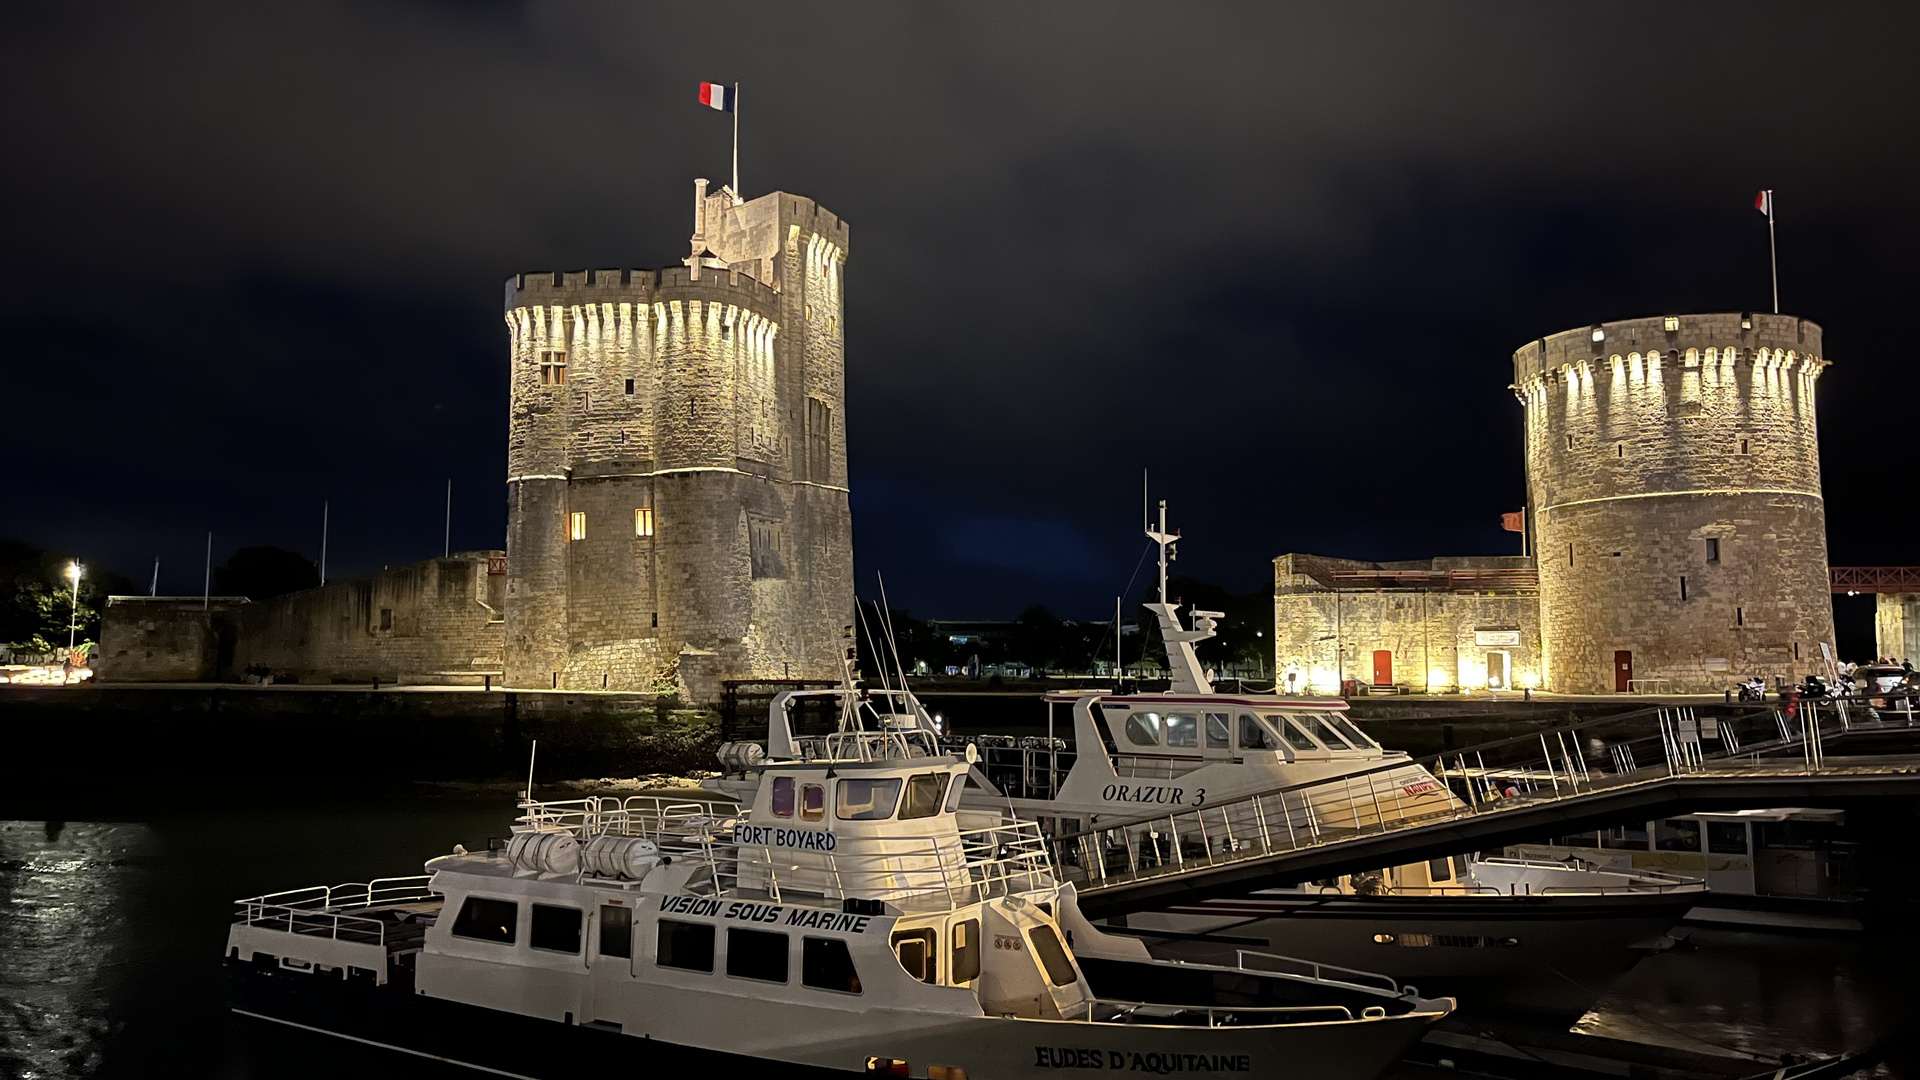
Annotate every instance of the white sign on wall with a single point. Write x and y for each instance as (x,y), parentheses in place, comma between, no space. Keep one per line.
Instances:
(1496,638)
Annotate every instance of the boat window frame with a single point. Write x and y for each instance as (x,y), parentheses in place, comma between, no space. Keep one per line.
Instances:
(1053,956)
(876,810)
(955,792)
(463,918)
(1190,721)
(693,929)
(1321,731)
(782,794)
(1344,724)
(1283,725)
(1226,730)
(1270,742)
(812,949)
(622,935)
(928,939)
(1667,830)
(535,931)
(742,947)
(1136,725)
(964,938)
(813,802)
(1746,837)
(919,781)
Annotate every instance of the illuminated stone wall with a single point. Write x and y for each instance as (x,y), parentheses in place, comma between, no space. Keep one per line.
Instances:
(712,395)
(437,621)
(1440,639)
(1674,478)
(1896,625)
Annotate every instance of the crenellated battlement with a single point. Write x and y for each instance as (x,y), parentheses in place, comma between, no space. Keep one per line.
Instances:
(1749,336)
(564,287)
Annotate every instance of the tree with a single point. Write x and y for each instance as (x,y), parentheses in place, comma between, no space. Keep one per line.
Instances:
(258,573)
(37,597)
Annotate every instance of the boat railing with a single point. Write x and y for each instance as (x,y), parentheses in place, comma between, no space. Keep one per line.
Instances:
(1253,960)
(651,817)
(1109,1011)
(938,872)
(328,910)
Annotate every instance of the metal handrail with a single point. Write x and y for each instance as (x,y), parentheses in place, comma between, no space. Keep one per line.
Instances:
(324,910)
(1123,1012)
(1317,969)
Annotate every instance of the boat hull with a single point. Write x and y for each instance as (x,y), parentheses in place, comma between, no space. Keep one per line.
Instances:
(1550,956)
(396,1018)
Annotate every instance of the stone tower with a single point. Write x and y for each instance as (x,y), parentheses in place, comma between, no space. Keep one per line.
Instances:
(677,463)
(1673,473)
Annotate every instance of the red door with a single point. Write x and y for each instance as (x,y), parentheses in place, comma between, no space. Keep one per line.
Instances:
(1382,668)
(1622,671)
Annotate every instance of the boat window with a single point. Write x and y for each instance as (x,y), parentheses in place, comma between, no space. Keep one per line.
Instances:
(756,954)
(684,945)
(1253,736)
(966,950)
(924,793)
(868,800)
(1727,837)
(1143,729)
(915,948)
(953,793)
(1460,867)
(1439,871)
(1219,735)
(1354,735)
(1296,738)
(783,796)
(1183,730)
(556,929)
(485,919)
(1676,834)
(1625,837)
(1052,954)
(825,964)
(1321,730)
(813,802)
(616,931)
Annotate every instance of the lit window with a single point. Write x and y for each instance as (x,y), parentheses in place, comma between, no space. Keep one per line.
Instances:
(1672,323)
(553,367)
(643,521)
(1599,334)
(809,312)
(578,525)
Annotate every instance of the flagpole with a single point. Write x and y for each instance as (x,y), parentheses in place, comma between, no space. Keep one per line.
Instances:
(736,165)
(1773,256)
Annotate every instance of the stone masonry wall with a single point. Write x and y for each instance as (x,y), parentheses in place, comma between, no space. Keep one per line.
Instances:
(1674,478)
(163,639)
(1325,636)
(685,394)
(1896,625)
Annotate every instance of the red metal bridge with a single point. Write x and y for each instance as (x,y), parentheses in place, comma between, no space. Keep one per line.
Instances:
(1874,579)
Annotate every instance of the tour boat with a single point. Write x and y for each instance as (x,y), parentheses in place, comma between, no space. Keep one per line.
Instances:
(842,921)
(1500,934)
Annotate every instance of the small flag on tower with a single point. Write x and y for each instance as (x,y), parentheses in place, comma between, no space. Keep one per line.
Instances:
(717,96)
(1763,202)
(1514,522)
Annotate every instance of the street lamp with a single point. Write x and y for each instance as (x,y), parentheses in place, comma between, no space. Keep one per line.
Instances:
(73,619)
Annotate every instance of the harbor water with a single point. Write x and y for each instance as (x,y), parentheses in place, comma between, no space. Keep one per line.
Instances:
(111,933)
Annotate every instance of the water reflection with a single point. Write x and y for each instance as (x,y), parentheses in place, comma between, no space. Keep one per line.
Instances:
(62,939)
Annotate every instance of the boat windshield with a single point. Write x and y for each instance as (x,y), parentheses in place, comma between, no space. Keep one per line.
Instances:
(1323,731)
(1354,735)
(1294,736)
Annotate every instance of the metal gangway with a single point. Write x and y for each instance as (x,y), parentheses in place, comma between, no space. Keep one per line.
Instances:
(1641,765)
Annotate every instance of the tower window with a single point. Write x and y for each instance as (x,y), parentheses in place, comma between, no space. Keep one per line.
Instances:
(1569,554)
(819,439)
(1599,334)
(1796,650)
(643,521)
(1743,446)
(1713,549)
(553,367)
(386,618)
(809,312)
(829,324)
(1620,450)
(629,387)
(1671,323)
(1739,616)
(1683,586)
(577,525)
(1569,442)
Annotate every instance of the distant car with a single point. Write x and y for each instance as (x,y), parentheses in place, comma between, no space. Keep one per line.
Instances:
(1875,680)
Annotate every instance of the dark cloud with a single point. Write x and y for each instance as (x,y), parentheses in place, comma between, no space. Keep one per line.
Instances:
(1279,255)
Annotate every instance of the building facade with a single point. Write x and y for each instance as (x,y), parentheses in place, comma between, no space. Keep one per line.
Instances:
(1673,472)
(1439,625)
(677,467)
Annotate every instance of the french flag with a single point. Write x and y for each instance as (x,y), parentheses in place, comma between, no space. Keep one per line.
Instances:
(717,96)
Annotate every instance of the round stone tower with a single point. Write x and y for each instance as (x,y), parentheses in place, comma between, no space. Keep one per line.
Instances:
(677,485)
(1673,472)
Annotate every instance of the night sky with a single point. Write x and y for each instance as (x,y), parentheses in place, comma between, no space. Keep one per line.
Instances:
(1279,255)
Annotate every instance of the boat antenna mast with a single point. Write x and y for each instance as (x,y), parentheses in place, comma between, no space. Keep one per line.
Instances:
(1184,672)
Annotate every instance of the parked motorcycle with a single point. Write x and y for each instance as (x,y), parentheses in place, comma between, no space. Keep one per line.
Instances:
(1815,689)
(1753,690)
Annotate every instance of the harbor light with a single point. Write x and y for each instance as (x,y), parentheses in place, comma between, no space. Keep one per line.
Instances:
(73,617)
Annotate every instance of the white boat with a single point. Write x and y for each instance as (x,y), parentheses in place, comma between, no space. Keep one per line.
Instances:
(1495,933)
(843,921)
